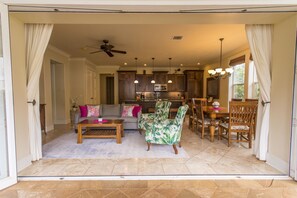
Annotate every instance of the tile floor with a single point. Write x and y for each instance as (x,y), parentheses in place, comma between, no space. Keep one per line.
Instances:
(205,158)
(154,188)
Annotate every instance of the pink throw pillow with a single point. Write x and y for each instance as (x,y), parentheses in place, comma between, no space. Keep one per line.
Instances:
(83,111)
(127,111)
(135,111)
(93,110)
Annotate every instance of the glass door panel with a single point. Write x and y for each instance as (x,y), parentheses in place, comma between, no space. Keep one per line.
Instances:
(7,134)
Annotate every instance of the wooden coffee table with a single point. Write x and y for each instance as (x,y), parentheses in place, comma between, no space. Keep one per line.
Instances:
(117,124)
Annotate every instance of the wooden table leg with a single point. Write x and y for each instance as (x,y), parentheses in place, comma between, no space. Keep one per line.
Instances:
(119,134)
(212,131)
(212,126)
(122,130)
(79,134)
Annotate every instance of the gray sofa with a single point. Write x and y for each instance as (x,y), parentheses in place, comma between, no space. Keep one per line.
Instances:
(107,111)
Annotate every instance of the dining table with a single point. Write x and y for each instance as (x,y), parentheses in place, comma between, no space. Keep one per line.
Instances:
(214,113)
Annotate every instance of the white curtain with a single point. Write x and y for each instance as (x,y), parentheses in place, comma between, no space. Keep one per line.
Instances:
(260,41)
(37,38)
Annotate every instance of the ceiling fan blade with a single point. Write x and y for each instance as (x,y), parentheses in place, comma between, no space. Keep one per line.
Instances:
(119,51)
(95,52)
(109,53)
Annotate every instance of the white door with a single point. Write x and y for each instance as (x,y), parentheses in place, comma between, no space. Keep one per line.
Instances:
(8,173)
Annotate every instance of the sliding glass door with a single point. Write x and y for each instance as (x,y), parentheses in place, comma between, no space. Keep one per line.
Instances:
(7,134)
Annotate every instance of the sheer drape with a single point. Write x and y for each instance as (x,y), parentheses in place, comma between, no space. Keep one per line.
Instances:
(260,39)
(37,38)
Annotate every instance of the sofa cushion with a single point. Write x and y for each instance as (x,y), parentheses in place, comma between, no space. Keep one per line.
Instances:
(111,117)
(127,111)
(111,110)
(136,110)
(129,119)
(93,110)
(83,111)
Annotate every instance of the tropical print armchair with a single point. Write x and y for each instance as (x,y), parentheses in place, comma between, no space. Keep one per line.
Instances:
(167,131)
(161,113)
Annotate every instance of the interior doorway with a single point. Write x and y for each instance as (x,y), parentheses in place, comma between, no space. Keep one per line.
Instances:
(107,89)
(58,93)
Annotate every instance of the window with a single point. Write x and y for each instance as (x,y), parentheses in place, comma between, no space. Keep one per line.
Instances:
(255,84)
(238,81)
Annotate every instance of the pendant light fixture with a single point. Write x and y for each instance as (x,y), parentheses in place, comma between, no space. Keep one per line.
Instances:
(169,80)
(153,63)
(219,72)
(136,81)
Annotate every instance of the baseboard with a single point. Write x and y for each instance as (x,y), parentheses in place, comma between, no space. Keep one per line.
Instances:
(49,128)
(277,163)
(24,163)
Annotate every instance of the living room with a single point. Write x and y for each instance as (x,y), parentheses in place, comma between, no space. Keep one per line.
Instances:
(76,88)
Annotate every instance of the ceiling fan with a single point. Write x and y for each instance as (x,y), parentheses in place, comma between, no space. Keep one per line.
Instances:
(108,49)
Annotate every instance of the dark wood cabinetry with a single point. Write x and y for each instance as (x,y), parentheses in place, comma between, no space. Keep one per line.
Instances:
(144,83)
(126,85)
(194,83)
(160,77)
(178,82)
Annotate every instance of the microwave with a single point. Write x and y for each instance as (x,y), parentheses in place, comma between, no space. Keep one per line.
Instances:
(160,87)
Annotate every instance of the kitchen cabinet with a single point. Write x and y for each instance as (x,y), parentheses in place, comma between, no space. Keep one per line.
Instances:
(126,85)
(178,82)
(144,83)
(194,83)
(160,77)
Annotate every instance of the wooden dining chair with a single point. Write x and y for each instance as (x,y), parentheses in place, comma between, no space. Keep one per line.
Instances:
(202,121)
(254,122)
(192,116)
(241,116)
(236,99)
(203,101)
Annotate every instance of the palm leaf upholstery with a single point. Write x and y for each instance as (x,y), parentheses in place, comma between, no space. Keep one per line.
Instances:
(167,131)
(161,113)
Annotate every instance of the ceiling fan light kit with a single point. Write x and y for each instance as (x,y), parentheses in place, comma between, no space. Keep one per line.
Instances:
(219,72)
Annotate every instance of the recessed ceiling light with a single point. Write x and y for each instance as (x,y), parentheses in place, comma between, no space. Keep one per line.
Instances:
(181,65)
(198,63)
(125,63)
(144,64)
(177,37)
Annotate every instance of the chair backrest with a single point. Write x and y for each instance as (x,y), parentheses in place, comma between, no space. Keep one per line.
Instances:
(180,115)
(236,99)
(199,110)
(242,113)
(251,99)
(162,110)
(203,101)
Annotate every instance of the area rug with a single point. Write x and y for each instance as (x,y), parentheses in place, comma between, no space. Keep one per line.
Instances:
(133,146)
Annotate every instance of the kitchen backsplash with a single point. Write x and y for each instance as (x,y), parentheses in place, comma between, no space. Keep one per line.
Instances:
(162,95)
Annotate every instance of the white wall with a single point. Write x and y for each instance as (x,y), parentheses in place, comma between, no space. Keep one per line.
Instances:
(283,60)
(53,54)
(17,34)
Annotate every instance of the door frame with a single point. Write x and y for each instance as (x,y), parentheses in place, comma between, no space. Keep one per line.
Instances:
(11,151)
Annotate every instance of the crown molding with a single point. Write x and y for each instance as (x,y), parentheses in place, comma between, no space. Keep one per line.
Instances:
(57,50)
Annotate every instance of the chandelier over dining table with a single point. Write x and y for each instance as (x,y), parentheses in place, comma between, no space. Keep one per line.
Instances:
(219,72)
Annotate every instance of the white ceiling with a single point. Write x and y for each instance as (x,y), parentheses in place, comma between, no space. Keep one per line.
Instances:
(149,35)
(200,43)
